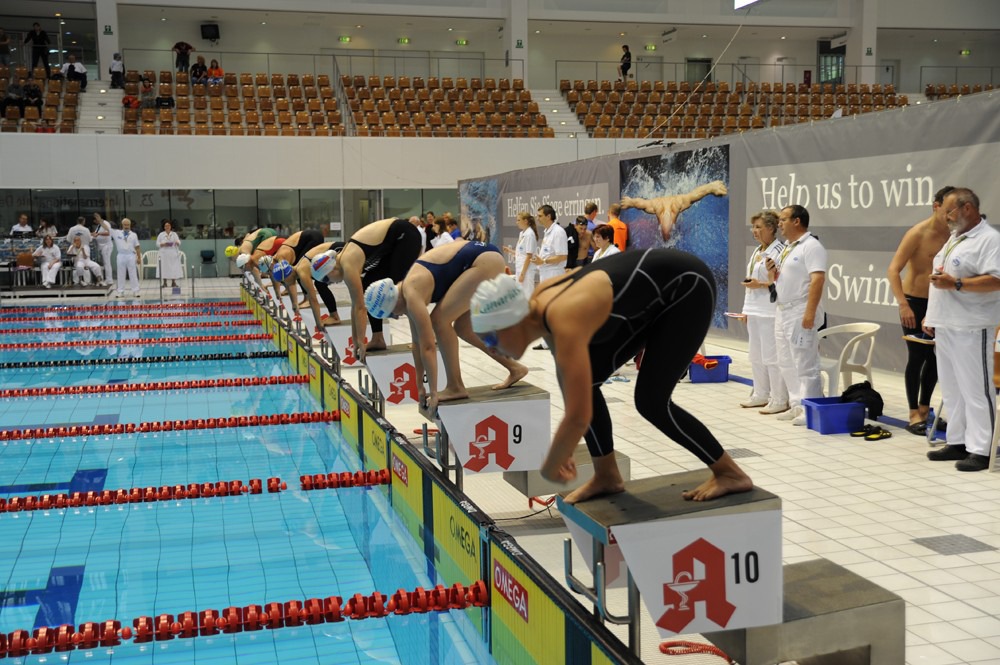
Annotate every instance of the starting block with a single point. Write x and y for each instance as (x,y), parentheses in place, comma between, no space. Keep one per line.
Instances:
(395,376)
(493,430)
(831,616)
(700,566)
(343,342)
(532,484)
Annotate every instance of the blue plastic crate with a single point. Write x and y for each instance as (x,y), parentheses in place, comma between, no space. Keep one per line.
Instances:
(828,415)
(720,374)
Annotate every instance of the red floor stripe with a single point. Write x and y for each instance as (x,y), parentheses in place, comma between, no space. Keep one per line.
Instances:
(162,385)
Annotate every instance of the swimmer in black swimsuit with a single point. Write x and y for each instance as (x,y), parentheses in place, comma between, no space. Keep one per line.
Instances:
(301,272)
(381,250)
(291,250)
(446,275)
(594,320)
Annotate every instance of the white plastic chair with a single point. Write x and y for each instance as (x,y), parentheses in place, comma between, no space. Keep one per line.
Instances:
(853,357)
(149,260)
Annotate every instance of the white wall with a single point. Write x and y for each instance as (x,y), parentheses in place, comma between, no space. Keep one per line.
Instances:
(80,161)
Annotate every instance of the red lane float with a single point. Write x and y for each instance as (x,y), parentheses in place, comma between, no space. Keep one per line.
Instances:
(141,326)
(169,425)
(162,385)
(228,311)
(198,339)
(322,481)
(220,304)
(150,494)
(272,616)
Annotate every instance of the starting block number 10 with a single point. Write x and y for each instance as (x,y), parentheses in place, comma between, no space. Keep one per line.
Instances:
(750,567)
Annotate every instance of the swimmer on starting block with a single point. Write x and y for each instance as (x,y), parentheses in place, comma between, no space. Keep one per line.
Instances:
(667,208)
(447,275)
(594,320)
(300,272)
(382,250)
(247,245)
(290,249)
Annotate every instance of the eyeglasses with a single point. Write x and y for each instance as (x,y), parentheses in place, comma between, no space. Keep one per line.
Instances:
(490,339)
(772,289)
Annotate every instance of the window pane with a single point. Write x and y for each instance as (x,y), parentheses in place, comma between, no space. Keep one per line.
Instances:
(401,202)
(321,210)
(235,212)
(279,210)
(58,206)
(13,202)
(147,208)
(192,212)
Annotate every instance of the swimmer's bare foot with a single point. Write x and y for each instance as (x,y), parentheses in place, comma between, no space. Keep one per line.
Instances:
(727,478)
(374,346)
(450,394)
(607,480)
(517,373)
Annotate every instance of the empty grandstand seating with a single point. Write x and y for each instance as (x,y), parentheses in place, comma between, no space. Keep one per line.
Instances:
(679,109)
(943,91)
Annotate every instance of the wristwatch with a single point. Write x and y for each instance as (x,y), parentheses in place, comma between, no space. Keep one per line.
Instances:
(958,284)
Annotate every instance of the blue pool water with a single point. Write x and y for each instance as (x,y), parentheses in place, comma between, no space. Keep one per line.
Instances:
(125,561)
(124,349)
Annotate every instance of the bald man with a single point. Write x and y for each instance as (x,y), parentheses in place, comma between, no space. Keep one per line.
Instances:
(129,254)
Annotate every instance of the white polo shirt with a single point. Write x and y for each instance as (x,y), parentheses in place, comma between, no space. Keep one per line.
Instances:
(757,302)
(976,252)
(554,243)
(796,263)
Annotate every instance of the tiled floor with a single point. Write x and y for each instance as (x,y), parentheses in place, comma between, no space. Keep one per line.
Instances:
(860,504)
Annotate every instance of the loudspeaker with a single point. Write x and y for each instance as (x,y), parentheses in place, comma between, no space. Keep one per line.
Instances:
(210,31)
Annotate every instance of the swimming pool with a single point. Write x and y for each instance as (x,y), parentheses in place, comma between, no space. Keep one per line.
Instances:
(129,560)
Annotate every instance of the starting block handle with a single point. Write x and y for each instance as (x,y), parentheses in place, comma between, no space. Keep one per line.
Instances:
(598,593)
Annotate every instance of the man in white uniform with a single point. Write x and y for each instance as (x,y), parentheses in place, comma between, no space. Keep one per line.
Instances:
(963,309)
(551,256)
(799,276)
(129,255)
(79,229)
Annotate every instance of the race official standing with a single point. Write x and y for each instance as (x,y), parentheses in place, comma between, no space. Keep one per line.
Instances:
(962,313)
(799,275)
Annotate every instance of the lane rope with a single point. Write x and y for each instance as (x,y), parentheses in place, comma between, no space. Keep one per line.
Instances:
(168,425)
(142,326)
(235,619)
(142,341)
(97,362)
(160,385)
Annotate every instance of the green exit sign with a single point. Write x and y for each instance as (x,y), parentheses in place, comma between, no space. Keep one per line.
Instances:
(343,39)
(965,51)
(403,40)
(461,42)
(650,47)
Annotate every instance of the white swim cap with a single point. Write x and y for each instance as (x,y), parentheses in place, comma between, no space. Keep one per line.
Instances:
(498,303)
(242,260)
(381,298)
(264,263)
(323,265)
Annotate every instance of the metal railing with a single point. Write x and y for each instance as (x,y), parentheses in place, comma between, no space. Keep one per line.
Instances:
(331,64)
(958,75)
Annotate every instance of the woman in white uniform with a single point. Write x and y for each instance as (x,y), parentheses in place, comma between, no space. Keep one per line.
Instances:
(769,389)
(525,271)
(169,245)
(51,257)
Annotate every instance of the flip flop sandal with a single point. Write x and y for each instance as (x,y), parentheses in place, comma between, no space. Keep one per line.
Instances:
(865,431)
(878,434)
(621,379)
(920,428)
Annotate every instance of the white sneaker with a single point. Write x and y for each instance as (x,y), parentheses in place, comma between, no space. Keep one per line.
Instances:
(773,408)
(791,414)
(135,295)
(119,294)
(800,420)
(754,402)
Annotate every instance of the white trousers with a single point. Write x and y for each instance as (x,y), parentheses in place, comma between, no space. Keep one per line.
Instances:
(965,374)
(82,270)
(127,264)
(51,275)
(799,366)
(763,351)
(530,278)
(106,251)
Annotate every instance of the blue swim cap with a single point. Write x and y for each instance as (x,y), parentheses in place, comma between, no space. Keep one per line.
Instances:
(282,270)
